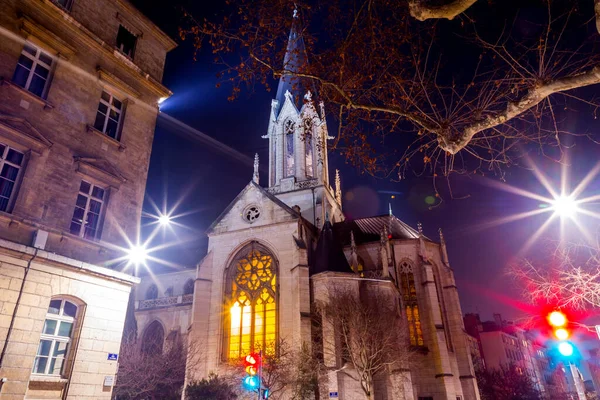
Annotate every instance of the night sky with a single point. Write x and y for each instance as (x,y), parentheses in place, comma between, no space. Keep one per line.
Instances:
(204,177)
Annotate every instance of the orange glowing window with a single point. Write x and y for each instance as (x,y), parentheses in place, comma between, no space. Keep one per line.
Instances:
(251,304)
(409,296)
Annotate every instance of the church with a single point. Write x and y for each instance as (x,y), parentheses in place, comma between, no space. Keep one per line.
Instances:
(279,248)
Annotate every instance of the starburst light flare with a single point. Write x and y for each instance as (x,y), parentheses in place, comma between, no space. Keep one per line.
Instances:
(568,206)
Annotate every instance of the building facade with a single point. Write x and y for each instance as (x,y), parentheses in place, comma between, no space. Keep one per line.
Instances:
(79,87)
(505,345)
(277,251)
(163,307)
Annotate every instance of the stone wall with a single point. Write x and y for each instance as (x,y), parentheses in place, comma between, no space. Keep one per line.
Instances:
(101,296)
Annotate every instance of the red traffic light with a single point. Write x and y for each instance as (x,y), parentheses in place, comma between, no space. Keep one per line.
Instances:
(557,319)
(252,363)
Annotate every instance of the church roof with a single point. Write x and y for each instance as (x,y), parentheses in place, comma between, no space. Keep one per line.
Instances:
(329,255)
(369,229)
(295,61)
(240,195)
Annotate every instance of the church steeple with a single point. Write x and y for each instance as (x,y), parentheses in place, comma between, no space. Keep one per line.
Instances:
(295,61)
(297,133)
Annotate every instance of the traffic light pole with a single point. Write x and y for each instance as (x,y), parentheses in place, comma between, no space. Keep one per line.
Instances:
(260,374)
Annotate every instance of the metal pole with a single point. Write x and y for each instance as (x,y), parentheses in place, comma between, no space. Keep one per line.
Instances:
(259,373)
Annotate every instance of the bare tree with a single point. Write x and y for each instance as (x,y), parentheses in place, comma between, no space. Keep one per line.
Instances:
(149,372)
(569,278)
(367,335)
(384,74)
(506,383)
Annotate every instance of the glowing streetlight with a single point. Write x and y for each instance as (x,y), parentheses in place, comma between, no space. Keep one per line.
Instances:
(137,255)
(565,206)
(164,220)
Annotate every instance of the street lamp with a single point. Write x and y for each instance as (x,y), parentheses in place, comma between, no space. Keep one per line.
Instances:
(137,255)
(164,220)
(564,206)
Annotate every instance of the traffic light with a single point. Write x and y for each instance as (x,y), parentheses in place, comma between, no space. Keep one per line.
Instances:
(560,330)
(252,366)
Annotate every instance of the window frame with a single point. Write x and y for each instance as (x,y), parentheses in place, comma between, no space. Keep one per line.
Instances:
(309,150)
(229,300)
(68,4)
(55,338)
(110,107)
(35,62)
(120,48)
(17,182)
(289,130)
(410,303)
(89,197)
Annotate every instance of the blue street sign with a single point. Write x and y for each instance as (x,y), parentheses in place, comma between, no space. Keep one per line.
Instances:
(113,357)
(333,395)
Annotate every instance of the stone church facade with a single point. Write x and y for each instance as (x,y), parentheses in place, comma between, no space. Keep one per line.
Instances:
(80,82)
(277,250)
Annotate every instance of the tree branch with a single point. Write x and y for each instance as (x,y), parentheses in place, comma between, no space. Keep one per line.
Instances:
(514,109)
(423,9)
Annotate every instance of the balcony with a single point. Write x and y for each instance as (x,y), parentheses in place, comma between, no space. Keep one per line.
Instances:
(162,302)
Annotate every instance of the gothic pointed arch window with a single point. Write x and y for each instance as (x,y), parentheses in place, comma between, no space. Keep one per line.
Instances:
(288,133)
(308,148)
(153,339)
(411,306)
(251,302)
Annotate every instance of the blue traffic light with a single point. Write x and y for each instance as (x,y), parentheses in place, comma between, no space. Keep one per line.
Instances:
(251,382)
(566,349)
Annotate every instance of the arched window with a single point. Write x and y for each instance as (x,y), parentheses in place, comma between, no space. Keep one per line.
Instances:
(308,148)
(288,132)
(56,337)
(153,339)
(152,292)
(251,303)
(409,296)
(188,288)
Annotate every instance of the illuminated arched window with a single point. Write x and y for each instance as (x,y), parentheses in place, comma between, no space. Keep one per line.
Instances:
(251,303)
(288,133)
(409,297)
(308,148)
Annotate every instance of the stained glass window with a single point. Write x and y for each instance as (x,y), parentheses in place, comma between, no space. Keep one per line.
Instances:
(289,147)
(251,304)
(409,297)
(308,147)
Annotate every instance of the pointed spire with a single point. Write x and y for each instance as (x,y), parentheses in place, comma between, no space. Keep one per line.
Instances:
(390,209)
(422,249)
(443,249)
(352,241)
(295,61)
(338,187)
(255,177)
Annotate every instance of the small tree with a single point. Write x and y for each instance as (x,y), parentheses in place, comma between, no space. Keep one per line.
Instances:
(506,383)
(150,375)
(213,388)
(569,278)
(368,332)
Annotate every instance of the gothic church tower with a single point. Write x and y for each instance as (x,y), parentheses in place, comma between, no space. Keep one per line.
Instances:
(297,134)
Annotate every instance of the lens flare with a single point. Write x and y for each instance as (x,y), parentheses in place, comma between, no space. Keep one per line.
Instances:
(137,255)
(564,206)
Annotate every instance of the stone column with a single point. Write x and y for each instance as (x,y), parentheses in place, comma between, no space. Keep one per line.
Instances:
(438,346)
